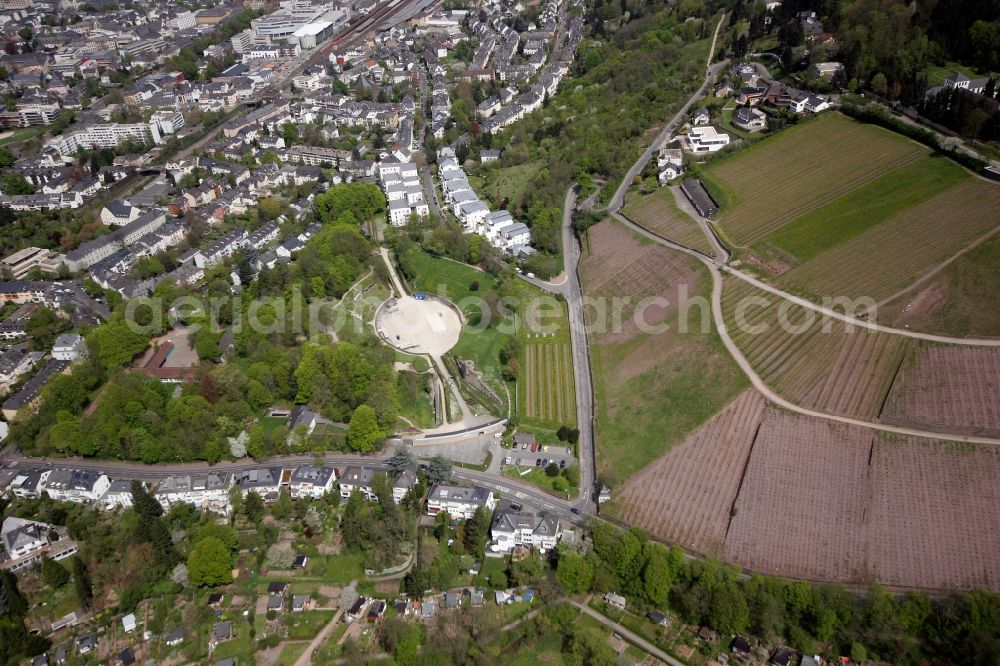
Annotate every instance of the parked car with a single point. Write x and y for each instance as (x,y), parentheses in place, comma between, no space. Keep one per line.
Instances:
(538,462)
(545,462)
(562,464)
(506,461)
(518,462)
(575,510)
(534,447)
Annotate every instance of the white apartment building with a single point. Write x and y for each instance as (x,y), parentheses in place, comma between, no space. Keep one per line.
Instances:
(458,501)
(105,136)
(523,528)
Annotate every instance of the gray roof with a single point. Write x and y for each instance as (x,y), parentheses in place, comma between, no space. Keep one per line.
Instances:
(32,387)
(18,532)
(358,476)
(312,474)
(182,483)
(262,477)
(73,479)
(474,495)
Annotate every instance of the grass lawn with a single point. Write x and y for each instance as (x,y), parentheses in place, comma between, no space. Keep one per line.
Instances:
(329,650)
(415,402)
(240,646)
(936,74)
(290,652)
(536,476)
(419,363)
(19,135)
(863,208)
(307,624)
(545,649)
(449,279)
(490,566)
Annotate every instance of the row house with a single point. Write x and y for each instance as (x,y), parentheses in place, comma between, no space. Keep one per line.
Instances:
(265,481)
(75,485)
(312,481)
(206,490)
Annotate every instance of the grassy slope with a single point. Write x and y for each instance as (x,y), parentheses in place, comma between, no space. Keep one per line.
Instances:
(863,208)
(965,297)
(640,417)
(559,325)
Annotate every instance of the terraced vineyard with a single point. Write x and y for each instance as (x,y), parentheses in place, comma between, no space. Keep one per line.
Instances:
(659,213)
(687,494)
(777,180)
(952,388)
(801,509)
(890,256)
(548,382)
(820,363)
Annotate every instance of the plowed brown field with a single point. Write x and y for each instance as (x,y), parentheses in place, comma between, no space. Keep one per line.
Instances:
(953,388)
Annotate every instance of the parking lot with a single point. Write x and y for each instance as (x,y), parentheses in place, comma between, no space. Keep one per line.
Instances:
(523,456)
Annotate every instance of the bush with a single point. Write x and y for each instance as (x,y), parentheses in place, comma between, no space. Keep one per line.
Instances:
(474,286)
(552,469)
(562,433)
(271,614)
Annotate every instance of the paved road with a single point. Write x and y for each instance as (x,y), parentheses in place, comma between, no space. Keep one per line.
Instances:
(509,487)
(581,357)
(630,636)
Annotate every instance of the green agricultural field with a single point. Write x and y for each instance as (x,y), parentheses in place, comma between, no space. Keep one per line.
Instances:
(801,169)
(546,391)
(865,207)
(885,260)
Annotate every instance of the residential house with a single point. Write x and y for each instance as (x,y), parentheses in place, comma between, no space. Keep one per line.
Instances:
(404,482)
(360,479)
(75,485)
(69,347)
(222,631)
(301,602)
(118,494)
(512,528)
(669,164)
(25,542)
(118,213)
(312,481)
(265,481)
(706,140)
(701,117)
(458,501)
(204,490)
(749,119)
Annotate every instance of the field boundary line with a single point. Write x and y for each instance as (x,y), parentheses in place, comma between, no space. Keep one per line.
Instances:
(862,323)
(937,269)
(763,387)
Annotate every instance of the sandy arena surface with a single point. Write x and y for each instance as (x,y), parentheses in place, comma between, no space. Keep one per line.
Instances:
(419,326)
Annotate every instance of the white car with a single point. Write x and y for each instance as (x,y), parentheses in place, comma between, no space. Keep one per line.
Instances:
(506,461)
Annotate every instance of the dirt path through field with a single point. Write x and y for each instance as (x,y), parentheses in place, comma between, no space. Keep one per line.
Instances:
(759,383)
